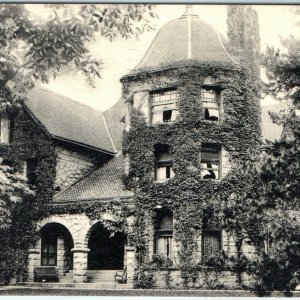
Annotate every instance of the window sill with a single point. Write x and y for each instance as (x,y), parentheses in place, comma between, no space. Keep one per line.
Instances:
(212,122)
(161,181)
(209,179)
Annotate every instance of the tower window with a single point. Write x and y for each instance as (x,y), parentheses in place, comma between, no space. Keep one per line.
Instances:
(210,99)
(164,233)
(164,106)
(210,162)
(167,116)
(163,163)
(211,242)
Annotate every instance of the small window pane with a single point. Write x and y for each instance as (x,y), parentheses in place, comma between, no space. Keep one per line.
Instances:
(210,174)
(211,114)
(167,115)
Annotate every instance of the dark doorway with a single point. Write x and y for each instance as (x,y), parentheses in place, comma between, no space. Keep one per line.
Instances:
(54,236)
(106,252)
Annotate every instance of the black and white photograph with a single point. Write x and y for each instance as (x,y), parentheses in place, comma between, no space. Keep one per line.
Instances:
(150,149)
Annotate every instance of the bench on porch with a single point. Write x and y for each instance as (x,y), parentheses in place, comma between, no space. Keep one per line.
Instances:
(46,274)
(121,276)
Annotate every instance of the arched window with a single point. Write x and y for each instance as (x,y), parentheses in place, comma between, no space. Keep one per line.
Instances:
(164,233)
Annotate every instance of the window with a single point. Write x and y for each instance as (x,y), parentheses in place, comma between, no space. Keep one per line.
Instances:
(30,166)
(211,243)
(49,250)
(210,162)
(210,99)
(163,163)
(6,128)
(164,106)
(164,233)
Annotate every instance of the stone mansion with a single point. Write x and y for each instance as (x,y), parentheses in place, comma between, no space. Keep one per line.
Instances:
(102,167)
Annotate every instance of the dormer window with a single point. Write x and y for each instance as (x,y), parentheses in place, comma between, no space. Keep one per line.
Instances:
(164,106)
(163,163)
(210,99)
(210,162)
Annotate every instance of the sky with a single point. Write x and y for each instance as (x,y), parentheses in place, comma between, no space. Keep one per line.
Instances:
(119,57)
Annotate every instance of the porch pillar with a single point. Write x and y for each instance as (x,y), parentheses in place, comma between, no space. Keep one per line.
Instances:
(60,255)
(34,259)
(80,262)
(130,263)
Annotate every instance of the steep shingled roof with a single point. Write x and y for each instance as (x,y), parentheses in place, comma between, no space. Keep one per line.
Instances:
(187,39)
(104,183)
(115,118)
(68,120)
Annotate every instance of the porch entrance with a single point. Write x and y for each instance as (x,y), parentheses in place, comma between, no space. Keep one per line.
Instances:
(56,245)
(106,252)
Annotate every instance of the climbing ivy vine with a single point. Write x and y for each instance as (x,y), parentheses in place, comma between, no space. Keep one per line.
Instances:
(192,200)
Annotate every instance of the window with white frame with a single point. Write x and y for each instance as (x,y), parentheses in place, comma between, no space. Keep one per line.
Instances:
(164,233)
(210,162)
(210,99)
(164,106)
(163,163)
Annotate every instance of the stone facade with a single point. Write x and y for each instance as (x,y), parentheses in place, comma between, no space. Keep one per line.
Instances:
(70,167)
(79,227)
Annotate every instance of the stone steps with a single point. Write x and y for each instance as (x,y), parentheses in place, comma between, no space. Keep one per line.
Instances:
(102,276)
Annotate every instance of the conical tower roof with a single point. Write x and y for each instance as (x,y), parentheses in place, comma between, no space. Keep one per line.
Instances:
(186,40)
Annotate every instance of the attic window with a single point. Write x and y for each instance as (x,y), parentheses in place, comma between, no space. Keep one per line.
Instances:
(210,99)
(210,162)
(164,106)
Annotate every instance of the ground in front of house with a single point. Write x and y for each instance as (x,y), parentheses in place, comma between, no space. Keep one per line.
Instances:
(25,291)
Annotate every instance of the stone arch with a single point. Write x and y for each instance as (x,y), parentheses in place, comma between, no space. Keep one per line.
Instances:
(105,216)
(77,224)
(58,220)
(106,251)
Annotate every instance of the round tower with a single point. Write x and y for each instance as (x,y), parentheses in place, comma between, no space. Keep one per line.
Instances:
(191,117)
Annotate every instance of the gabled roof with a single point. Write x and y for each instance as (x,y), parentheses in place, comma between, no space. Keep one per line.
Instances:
(104,183)
(67,120)
(187,39)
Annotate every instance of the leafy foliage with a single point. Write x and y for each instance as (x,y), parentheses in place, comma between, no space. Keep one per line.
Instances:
(35,50)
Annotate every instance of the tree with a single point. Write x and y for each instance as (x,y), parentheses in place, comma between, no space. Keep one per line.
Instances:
(36,50)
(14,231)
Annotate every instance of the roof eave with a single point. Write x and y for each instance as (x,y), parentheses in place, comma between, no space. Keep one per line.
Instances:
(103,199)
(61,139)
(151,70)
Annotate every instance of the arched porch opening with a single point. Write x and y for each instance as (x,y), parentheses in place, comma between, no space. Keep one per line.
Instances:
(106,252)
(56,246)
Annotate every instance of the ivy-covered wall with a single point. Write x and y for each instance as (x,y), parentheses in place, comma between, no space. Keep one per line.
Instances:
(192,200)
(30,141)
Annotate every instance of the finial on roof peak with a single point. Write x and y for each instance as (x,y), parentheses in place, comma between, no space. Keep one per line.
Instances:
(189,11)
